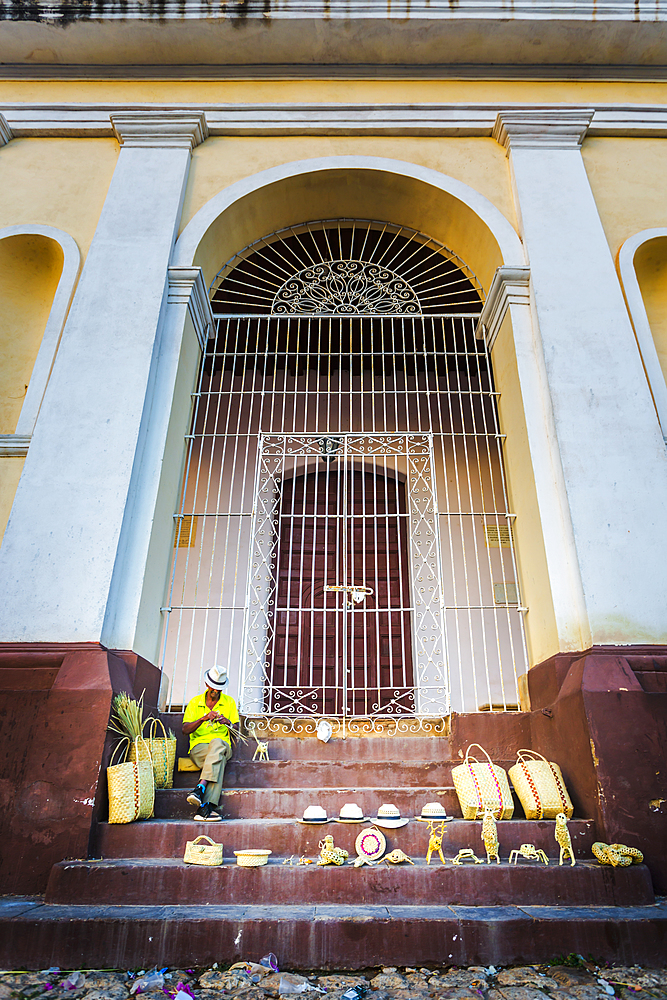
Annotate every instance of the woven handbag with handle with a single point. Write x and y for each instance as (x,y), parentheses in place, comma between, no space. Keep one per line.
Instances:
(131,786)
(539,784)
(161,750)
(203,854)
(482,784)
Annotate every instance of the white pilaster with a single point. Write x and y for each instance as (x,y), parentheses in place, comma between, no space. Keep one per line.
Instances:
(609,442)
(6,134)
(81,475)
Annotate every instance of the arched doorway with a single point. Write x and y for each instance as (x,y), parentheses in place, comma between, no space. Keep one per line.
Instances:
(345,358)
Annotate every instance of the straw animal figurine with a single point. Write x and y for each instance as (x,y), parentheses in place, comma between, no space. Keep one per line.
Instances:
(617,855)
(330,855)
(562,835)
(396,856)
(467,854)
(490,836)
(262,751)
(437,828)
(530,853)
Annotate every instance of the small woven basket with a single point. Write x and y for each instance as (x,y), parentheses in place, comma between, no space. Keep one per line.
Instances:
(131,787)
(252,858)
(482,784)
(203,854)
(539,784)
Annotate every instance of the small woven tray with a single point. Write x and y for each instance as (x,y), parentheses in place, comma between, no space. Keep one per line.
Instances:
(252,858)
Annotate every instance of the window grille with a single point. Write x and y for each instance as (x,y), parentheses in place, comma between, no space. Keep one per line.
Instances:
(345,435)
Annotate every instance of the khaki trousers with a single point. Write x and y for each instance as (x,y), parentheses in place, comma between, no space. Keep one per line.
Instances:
(212,759)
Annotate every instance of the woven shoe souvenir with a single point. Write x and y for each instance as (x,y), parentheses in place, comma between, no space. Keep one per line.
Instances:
(482,784)
(539,784)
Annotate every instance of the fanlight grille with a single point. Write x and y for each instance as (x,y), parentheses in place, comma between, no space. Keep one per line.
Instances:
(346,267)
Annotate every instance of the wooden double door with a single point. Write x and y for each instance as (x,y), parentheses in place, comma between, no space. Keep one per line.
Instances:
(330,655)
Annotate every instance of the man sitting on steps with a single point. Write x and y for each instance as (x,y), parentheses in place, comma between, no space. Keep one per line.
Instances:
(207,720)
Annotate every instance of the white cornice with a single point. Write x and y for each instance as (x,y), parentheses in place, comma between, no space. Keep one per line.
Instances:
(5,131)
(186,287)
(170,128)
(95,120)
(14,445)
(561,128)
(510,286)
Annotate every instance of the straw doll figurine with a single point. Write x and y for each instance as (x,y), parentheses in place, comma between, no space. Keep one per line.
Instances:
(563,837)
(490,836)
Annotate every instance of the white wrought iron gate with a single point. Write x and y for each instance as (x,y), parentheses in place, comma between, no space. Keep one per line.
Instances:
(345,606)
(345,434)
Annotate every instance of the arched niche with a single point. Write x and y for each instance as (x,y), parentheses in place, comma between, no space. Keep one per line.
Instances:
(643,266)
(38,270)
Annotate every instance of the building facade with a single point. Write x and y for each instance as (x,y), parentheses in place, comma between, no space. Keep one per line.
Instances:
(301,298)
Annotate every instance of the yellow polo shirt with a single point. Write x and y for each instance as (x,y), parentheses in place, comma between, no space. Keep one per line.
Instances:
(210,730)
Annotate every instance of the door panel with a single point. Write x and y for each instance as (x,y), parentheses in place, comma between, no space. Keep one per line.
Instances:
(335,524)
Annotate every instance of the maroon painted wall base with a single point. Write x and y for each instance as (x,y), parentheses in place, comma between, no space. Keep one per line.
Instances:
(602,715)
(55,703)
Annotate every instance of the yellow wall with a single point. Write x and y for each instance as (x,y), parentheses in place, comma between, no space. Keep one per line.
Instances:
(541,630)
(651,269)
(56,182)
(628,178)
(30,268)
(10,473)
(307,91)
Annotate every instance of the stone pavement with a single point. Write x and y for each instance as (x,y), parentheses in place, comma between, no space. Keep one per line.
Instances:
(576,979)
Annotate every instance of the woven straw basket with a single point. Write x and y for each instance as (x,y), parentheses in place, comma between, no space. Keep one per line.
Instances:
(480,784)
(251,858)
(161,751)
(203,854)
(131,787)
(539,784)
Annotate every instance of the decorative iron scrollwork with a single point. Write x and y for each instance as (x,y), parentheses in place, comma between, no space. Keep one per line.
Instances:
(345,288)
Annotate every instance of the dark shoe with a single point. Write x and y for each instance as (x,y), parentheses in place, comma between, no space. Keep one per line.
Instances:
(207,814)
(196,796)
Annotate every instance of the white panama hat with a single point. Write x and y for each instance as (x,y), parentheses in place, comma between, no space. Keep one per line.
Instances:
(351,813)
(434,810)
(389,817)
(216,678)
(314,814)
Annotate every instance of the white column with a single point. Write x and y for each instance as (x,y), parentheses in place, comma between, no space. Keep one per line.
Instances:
(62,540)
(612,455)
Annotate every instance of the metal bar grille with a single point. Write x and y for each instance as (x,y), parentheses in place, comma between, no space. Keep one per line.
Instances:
(326,381)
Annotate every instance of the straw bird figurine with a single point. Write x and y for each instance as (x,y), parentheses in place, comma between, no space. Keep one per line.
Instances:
(437,828)
(330,855)
(563,837)
(490,836)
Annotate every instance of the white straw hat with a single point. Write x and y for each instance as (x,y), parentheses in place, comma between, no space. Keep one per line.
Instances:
(216,678)
(314,814)
(351,813)
(389,817)
(434,810)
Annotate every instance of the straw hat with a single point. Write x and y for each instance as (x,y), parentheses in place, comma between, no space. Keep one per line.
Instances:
(314,814)
(351,813)
(216,678)
(434,810)
(389,817)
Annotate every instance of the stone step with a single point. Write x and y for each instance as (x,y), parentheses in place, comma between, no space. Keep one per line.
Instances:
(330,774)
(167,838)
(35,935)
(239,803)
(169,881)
